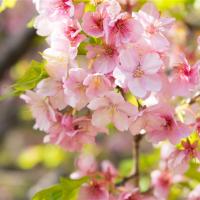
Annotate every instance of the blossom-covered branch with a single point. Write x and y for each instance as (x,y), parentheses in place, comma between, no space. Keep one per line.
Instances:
(109,66)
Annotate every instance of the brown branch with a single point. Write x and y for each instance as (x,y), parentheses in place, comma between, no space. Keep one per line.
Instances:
(137,140)
(194,99)
(135,175)
(14,48)
(125,180)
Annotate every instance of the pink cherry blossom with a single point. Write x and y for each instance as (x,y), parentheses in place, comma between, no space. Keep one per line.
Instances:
(86,163)
(105,57)
(169,128)
(122,29)
(186,77)
(72,30)
(56,95)
(93,23)
(137,73)
(131,195)
(71,134)
(55,9)
(41,110)
(160,124)
(111,108)
(75,89)
(50,12)
(161,181)
(54,59)
(109,171)
(97,85)
(178,160)
(94,191)
(155,26)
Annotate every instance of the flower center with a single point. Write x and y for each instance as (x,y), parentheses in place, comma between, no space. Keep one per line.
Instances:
(151,29)
(168,122)
(109,50)
(120,26)
(138,73)
(97,81)
(63,5)
(98,20)
(165,179)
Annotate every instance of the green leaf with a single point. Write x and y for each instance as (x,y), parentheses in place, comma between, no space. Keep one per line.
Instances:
(7,4)
(111,128)
(30,24)
(53,193)
(71,187)
(67,189)
(126,166)
(193,172)
(149,161)
(31,78)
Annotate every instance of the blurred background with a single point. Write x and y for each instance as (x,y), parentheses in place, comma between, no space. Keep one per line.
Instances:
(27,165)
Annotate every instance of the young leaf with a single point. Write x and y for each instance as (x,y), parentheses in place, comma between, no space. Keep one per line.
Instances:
(31,78)
(67,189)
(71,187)
(53,193)
(7,4)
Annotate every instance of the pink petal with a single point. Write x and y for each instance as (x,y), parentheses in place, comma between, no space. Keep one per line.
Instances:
(98,103)
(151,63)
(152,83)
(150,9)
(121,121)
(129,59)
(136,88)
(101,118)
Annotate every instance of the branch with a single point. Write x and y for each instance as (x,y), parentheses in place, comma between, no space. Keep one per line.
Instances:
(13,49)
(125,180)
(194,99)
(137,140)
(135,175)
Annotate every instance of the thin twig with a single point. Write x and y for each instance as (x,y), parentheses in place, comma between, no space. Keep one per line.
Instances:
(194,99)
(125,180)
(137,140)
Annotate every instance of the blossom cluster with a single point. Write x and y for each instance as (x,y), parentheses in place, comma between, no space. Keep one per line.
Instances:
(125,53)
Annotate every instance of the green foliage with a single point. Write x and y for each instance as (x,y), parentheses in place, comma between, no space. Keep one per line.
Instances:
(125,167)
(111,128)
(145,183)
(48,155)
(164,5)
(82,47)
(31,78)
(7,4)
(131,99)
(67,189)
(31,23)
(193,172)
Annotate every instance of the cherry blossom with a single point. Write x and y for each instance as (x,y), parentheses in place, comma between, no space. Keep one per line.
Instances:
(41,110)
(71,134)
(94,191)
(105,57)
(75,89)
(186,77)
(138,73)
(111,108)
(178,160)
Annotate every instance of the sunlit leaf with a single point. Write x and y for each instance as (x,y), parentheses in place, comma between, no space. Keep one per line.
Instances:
(49,155)
(7,4)
(31,78)
(67,189)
